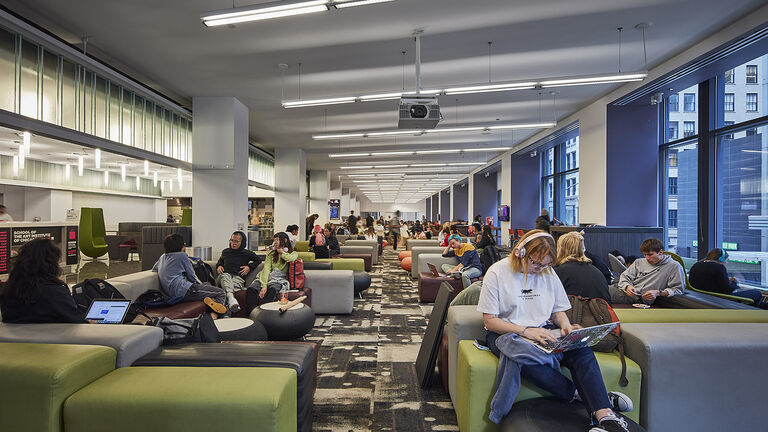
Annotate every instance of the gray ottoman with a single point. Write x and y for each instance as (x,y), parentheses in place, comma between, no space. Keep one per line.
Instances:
(291,324)
(240,329)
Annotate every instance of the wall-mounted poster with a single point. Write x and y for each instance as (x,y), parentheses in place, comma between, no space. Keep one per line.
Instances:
(71,245)
(334,204)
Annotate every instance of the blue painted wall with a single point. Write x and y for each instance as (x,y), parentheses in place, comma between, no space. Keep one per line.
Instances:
(460,201)
(445,205)
(632,158)
(525,203)
(485,196)
(428,210)
(435,207)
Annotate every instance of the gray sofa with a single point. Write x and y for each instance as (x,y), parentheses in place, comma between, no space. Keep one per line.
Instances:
(700,376)
(373,244)
(132,230)
(434,258)
(462,323)
(416,253)
(130,341)
(412,243)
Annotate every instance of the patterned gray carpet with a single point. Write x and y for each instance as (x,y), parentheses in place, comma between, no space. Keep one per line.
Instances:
(366,378)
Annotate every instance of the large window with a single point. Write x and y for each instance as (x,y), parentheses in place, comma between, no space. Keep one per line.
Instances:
(751,75)
(689,102)
(751,102)
(680,199)
(729,103)
(560,178)
(674,103)
(689,128)
(37,83)
(673,131)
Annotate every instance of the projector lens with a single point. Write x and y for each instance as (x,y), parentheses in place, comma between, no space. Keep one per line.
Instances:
(418,111)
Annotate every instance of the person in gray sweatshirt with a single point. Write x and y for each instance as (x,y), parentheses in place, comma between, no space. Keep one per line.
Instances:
(655,275)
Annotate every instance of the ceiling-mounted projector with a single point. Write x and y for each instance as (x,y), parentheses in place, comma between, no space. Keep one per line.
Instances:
(418,112)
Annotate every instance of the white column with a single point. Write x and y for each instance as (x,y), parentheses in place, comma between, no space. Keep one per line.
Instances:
(319,194)
(344,207)
(450,199)
(506,193)
(220,170)
(471,199)
(290,189)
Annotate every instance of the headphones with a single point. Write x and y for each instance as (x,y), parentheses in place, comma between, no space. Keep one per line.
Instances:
(723,255)
(519,250)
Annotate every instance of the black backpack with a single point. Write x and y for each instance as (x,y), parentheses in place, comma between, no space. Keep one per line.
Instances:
(187,330)
(89,289)
(489,256)
(204,271)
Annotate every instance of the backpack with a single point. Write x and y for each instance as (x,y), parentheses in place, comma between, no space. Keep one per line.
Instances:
(203,271)
(488,257)
(187,330)
(89,289)
(296,274)
(589,312)
(153,298)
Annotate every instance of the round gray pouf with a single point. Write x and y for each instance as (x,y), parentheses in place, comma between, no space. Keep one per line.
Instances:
(291,324)
(362,281)
(240,329)
(551,414)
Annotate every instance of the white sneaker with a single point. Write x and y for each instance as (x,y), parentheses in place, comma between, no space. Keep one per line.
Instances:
(621,402)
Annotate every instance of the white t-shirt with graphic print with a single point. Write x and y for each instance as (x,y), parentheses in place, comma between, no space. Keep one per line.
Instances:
(526,300)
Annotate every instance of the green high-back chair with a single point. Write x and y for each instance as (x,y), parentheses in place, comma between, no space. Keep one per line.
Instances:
(92,232)
(688,285)
(186,217)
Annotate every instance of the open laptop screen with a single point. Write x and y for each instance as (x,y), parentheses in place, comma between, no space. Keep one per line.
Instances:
(108,311)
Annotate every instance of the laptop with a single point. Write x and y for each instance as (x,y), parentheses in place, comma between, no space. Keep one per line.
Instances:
(436,273)
(579,338)
(108,311)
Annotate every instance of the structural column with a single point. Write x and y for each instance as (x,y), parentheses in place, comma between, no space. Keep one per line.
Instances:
(220,171)
(506,193)
(290,189)
(319,194)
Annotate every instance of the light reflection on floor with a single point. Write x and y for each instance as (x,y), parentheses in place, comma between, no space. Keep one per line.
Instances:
(99,269)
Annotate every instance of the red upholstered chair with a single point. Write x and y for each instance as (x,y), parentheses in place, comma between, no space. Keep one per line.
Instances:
(406,264)
(404,254)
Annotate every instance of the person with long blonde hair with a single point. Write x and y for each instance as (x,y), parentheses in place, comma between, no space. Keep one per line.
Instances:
(576,271)
(523,297)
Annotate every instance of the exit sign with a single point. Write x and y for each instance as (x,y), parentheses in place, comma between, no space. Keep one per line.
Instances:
(730,246)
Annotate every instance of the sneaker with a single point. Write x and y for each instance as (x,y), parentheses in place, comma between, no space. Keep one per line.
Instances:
(215,306)
(611,424)
(234,307)
(621,402)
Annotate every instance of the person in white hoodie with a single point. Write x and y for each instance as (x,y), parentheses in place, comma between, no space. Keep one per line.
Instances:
(655,275)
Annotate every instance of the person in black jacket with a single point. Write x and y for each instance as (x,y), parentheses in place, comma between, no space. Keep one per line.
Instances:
(711,275)
(352,221)
(34,293)
(233,266)
(332,242)
(575,270)
(486,239)
(318,244)
(600,265)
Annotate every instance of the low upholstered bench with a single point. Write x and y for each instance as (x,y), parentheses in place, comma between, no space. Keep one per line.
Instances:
(36,379)
(367,260)
(345,263)
(429,285)
(299,356)
(190,399)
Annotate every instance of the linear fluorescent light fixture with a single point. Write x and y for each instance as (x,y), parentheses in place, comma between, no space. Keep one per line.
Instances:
(610,78)
(376,134)
(263,11)
(341,4)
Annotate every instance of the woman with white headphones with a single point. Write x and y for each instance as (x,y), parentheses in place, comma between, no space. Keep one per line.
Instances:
(522,296)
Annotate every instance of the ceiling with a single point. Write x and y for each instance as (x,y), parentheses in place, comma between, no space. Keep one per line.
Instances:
(62,153)
(359,51)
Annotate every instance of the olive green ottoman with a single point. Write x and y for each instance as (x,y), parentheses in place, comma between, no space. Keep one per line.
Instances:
(190,399)
(301,246)
(476,385)
(345,263)
(36,379)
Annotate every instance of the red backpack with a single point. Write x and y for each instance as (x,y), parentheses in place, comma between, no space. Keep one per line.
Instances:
(296,274)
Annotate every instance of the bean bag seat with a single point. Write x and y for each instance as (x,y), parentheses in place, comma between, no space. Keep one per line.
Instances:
(240,329)
(362,281)
(404,254)
(406,264)
(384,243)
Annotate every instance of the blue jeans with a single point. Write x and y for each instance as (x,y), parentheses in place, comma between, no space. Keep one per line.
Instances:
(466,274)
(755,294)
(585,371)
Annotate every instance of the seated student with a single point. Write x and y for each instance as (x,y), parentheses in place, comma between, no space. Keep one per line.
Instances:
(370,233)
(233,266)
(469,261)
(318,244)
(711,275)
(178,281)
(274,276)
(575,269)
(520,296)
(486,238)
(443,236)
(293,233)
(332,242)
(34,293)
(648,278)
